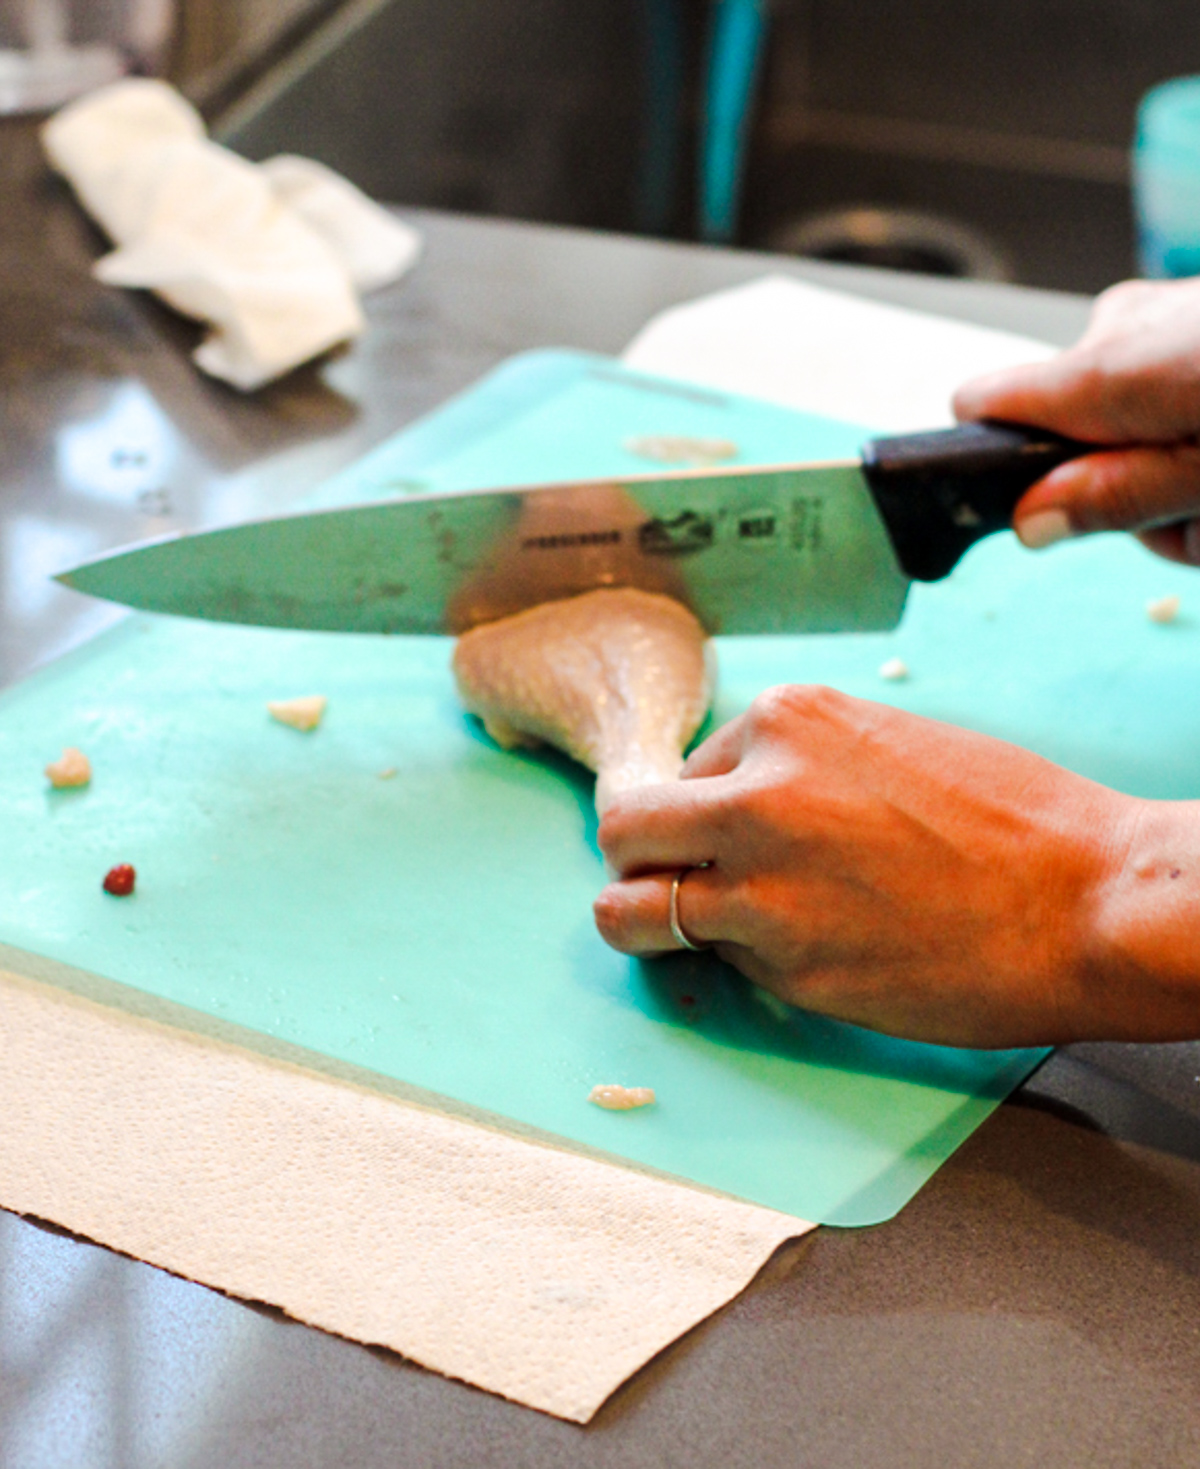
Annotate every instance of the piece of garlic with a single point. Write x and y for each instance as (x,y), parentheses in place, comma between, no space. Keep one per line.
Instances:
(621,1098)
(72,768)
(894,669)
(1163,609)
(304,713)
(681,449)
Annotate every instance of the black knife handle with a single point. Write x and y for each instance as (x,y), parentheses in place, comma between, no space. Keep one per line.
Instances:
(941,492)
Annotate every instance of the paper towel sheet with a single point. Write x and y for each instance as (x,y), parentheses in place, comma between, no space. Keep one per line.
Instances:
(272,255)
(536,1273)
(823,351)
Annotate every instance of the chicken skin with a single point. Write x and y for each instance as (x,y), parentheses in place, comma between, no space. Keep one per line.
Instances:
(619,679)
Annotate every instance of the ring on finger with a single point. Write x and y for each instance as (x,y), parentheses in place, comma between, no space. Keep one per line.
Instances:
(677,932)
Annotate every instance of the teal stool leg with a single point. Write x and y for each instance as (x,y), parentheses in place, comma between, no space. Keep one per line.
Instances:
(663,88)
(735,54)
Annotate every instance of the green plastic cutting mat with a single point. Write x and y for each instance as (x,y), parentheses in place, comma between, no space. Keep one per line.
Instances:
(435,927)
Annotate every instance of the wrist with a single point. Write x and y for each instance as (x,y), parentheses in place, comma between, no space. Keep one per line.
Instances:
(1142,962)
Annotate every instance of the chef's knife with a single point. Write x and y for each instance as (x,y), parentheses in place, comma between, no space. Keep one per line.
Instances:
(791,548)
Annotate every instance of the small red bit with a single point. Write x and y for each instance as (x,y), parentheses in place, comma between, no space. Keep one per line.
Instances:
(687,999)
(119,880)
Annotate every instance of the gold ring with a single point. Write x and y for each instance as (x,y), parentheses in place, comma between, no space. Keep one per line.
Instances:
(677,932)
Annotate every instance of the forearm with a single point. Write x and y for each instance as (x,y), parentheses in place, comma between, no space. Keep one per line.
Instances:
(1142,967)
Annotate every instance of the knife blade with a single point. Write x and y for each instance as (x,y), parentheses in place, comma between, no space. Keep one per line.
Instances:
(825,547)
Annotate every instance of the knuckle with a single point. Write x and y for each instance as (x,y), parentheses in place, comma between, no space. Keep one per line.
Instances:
(611,915)
(1124,303)
(609,831)
(1116,493)
(740,904)
(617,825)
(1092,371)
(1103,392)
(757,806)
(771,706)
(1116,497)
(755,818)
(1109,378)
(825,703)
(1124,293)
(785,704)
(1106,393)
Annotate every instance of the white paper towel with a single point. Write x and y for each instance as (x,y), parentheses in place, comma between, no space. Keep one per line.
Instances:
(823,351)
(373,248)
(272,256)
(537,1273)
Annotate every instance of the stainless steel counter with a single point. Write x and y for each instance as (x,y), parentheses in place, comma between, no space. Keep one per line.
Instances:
(1038,1303)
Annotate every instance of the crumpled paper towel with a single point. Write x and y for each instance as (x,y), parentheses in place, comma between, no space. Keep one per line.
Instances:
(824,351)
(272,256)
(374,248)
(529,1270)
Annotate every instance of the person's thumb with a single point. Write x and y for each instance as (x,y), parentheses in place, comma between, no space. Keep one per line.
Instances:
(1119,489)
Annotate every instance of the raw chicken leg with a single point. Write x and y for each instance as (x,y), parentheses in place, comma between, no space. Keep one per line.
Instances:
(620,679)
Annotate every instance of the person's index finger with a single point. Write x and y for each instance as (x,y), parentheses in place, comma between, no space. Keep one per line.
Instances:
(1047,395)
(1096,393)
(658,828)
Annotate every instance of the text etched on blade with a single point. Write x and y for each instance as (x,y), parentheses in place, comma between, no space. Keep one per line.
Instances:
(569,540)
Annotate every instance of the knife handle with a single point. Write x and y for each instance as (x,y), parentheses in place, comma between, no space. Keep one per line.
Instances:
(941,492)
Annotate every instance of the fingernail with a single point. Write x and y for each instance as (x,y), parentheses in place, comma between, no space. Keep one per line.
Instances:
(1043,528)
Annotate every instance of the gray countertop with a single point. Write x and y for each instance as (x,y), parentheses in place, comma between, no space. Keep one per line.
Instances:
(1038,1302)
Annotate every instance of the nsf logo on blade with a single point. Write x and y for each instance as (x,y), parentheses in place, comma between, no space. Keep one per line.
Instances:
(757,527)
(683,535)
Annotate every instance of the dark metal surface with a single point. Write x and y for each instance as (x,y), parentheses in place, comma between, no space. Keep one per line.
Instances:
(1037,1303)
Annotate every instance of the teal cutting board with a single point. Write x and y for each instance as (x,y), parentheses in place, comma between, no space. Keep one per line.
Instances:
(435,927)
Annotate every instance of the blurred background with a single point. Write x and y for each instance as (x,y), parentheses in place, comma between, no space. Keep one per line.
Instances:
(988,139)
